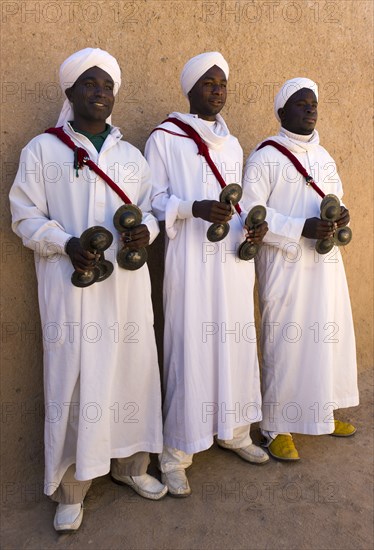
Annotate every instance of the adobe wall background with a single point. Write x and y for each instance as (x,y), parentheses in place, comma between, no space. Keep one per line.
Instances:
(265,43)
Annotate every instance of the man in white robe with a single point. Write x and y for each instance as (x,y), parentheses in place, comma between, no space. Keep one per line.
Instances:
(309,357)
(101,377)
(211,373)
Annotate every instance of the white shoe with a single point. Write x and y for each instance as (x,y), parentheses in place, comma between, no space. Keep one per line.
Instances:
(68,517)
(177,483)
(145,485)
(252,453)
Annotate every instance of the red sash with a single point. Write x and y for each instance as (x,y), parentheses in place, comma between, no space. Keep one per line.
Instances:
(202,147)
(81,157)
(299,167)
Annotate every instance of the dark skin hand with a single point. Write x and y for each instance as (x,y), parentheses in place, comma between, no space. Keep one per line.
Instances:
(315,228)
(212,211)
(136,238)
(256,234)
(344,217)
(81,259)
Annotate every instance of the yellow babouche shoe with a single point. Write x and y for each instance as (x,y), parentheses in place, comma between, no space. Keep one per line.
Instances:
(343,429)
(283,448)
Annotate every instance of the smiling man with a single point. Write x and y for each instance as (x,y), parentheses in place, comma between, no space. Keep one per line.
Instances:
(101,414)
(210,371)
(308,343)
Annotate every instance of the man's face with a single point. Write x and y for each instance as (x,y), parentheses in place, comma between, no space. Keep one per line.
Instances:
(208,96)
(299,115)
(92,95)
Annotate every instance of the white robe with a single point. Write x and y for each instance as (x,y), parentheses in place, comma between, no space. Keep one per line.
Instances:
(211,369)
(101,377)
(308,344)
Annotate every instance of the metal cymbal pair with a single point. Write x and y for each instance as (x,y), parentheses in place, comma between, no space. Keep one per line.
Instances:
(95,239)
(330,211)
(256,216)
(127,217)
(231,194)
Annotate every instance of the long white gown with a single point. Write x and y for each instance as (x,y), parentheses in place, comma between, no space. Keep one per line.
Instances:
(211,368)
(101,376)
(308,344)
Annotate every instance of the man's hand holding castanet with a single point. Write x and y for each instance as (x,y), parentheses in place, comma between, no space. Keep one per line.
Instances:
(256,234)
(135,238)
(315,228)
(344,217)
(212,211)
(82,259)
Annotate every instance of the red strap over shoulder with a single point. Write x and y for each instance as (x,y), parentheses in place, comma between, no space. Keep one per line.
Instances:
(81,157)
(202,147)
(299,167)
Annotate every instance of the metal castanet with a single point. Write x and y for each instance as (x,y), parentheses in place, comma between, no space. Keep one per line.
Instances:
(343,236)
(330,208)
(87,278)
(256,216)
(217,231)
(132,259)
(330,211)
(127,217)
(323,246)
(95,239)
(231,194)
(106,269)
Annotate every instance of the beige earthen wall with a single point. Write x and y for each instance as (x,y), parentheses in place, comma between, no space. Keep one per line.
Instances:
(265,42)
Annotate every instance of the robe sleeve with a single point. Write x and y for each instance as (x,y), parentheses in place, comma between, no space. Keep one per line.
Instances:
(166,206)
(29,208)
(257,188)
(144,200)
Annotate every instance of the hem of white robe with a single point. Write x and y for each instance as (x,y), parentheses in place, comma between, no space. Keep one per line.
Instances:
(305,429)
(50,486)
(204,443)
(86,474)
(311,428)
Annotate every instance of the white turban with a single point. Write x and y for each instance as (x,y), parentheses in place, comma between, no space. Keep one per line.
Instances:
(199,65)
(291,87)
(77,64)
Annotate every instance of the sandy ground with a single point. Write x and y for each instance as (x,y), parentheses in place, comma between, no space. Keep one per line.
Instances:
(324,501)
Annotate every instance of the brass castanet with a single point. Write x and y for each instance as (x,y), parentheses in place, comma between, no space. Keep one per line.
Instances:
(88,278)
(330,211)
(106,269)
(231,194)
(256,216)
(323,246)
(95,239)
(343,236)
(132,259)
(330,208)
(127,217)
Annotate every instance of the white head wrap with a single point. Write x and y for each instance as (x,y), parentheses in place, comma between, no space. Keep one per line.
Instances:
(291,87)
(199,65)
(77,64)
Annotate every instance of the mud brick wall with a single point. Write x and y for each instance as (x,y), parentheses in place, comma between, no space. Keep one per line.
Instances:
(265,42)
